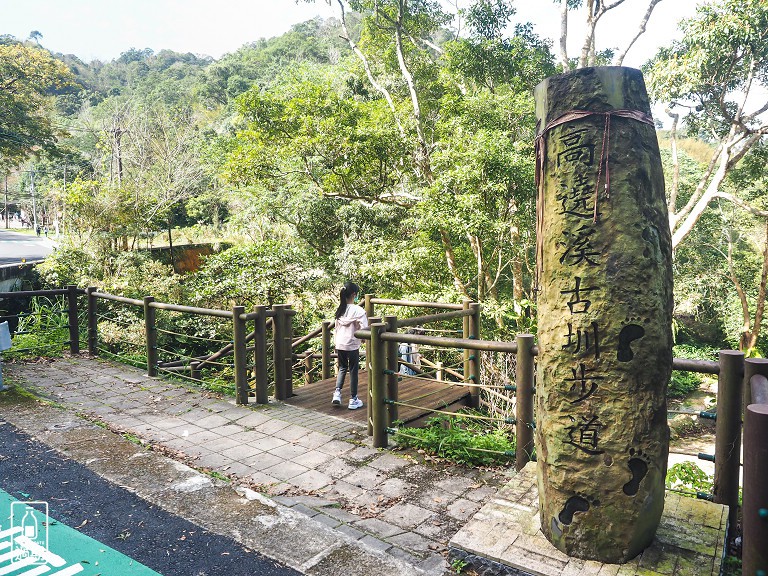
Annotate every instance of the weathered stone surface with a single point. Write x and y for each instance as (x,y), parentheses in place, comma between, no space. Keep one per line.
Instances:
(604,309)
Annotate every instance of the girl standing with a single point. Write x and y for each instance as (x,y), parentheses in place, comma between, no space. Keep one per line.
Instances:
(349,319)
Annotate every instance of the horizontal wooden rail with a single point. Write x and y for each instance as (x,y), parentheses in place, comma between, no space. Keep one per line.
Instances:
(416,320)
(30,293)
(191,310)
(759,385)
(121,299)
(462,343)
(416,304)
(700,366)
(314,334)
(253,315)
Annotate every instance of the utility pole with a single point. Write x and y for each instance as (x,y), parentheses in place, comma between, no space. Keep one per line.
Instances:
(34,206)
(6,200)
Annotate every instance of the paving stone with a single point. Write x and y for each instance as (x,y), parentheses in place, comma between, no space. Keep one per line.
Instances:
(314,440)
(267,443)
(340,514)
(252,419)
(271,426)
(288,451)
(247,436)
(396,488)
(263,479)
(435,563)
(378,527)
(406,515)
(375,543)
(202,437)
(305,510)
(365,477)
(403,555)
(263,461)
(346,491)
(455,484)
(481,494)
(311,480)
(312,459)
(361,453)
(239,469)
(462,509)
(327,520)
(285,470)
(388,462)
(291,432)
(228,430)
(241,452)
(336,468)
(412,541)
(350,531)
(220,444)
(213,460)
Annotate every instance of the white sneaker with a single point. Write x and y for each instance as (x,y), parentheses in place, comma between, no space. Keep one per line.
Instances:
(336,398)
(355,403)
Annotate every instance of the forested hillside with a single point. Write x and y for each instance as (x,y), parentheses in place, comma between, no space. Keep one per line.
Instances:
(392,146)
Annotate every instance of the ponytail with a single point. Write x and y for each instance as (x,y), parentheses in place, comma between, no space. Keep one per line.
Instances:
(347,291)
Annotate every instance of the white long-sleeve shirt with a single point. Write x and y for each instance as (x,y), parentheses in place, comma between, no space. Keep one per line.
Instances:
(351,321)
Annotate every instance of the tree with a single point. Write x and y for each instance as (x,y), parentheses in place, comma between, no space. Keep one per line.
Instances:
(28,77)
(717,77)
(594,10)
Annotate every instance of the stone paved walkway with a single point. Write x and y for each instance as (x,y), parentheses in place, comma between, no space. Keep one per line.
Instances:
(320,466)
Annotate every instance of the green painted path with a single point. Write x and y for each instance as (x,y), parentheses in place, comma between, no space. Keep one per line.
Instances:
(32,544)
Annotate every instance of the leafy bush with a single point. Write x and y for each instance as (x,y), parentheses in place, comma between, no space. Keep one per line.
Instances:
(689,479)
(450,438)
(44,331)
(683,383)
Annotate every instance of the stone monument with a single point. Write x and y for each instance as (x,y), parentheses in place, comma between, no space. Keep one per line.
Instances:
(604,281)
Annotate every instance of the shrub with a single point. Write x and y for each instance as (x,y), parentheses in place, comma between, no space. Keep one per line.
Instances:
(450,438)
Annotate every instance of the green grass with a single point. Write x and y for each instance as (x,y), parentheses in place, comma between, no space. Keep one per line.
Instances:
(457,440)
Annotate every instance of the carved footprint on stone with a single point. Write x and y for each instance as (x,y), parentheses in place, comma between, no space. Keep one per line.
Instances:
(629,334)
(638,466)
(574,504)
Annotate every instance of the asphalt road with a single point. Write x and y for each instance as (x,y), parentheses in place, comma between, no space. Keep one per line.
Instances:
(14,247)
(79,498)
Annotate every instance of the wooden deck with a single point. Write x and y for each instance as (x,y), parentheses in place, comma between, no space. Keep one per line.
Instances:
(317,396)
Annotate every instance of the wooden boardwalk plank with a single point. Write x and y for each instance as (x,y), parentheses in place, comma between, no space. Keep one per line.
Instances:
(317,396)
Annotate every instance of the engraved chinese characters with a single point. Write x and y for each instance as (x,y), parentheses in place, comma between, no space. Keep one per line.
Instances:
(604,310)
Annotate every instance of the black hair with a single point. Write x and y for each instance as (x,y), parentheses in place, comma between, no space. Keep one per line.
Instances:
(347,291)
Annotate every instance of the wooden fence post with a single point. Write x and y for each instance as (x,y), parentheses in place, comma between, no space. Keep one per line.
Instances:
(465,334)
(755,505)
(278,342)
(326,351)
(150,335)
(288,350)
(524,380)
(369,311)
(260,355)
(93,321)
(377,386)
(392,371)
(371,321)
(74,328)
(728,432)
(474,357)
(241,362)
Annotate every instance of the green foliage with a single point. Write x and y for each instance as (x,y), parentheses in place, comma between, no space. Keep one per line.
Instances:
(689,479)
(683,383)
(29,76)
(458,440)
(42,331)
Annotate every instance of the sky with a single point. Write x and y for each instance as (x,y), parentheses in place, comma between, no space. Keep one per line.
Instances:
(102,29)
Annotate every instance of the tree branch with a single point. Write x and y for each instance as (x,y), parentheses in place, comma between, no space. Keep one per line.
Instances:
(640,32)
